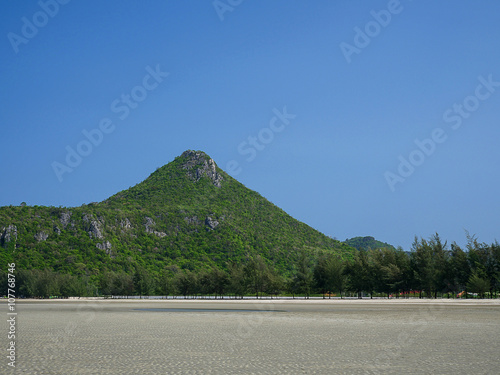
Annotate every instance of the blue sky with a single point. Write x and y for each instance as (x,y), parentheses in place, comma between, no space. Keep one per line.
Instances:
(363,84)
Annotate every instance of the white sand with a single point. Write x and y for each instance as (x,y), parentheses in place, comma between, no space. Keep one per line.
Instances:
(281,337)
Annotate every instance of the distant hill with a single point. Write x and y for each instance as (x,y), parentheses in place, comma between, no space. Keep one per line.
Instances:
(365,243)
(187,213)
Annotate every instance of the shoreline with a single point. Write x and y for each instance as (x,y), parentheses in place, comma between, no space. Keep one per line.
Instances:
(250,336)
(312,301)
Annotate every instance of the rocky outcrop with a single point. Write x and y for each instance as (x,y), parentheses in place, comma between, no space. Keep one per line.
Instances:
(41,236)
(149,224)
(95,230)
(8,234)
(93,227)
(159,234)
(126,224)
(106,246)
(57,230)
(65,218)
(211,223)
(201,165)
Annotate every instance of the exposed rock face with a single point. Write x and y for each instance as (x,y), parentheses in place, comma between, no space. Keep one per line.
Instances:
(8,234)
(57,230)
(211,223)
(126,224)
(198,166)
(106,246)
(65,217)
(149,224)
(94,227)
(41,236)
(95,230)
(149,228)
(160,234)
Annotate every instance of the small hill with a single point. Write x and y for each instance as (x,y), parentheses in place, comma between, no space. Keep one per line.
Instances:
(187,213)
(366,243)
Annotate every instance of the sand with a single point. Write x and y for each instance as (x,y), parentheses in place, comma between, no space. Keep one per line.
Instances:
(264,337)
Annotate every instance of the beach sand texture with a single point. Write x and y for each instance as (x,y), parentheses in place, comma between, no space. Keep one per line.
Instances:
(265,337)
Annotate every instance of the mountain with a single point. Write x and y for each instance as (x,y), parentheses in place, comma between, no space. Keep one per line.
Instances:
(366,243)
(187,213)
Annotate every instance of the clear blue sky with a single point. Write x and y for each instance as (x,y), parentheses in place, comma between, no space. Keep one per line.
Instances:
(363,86)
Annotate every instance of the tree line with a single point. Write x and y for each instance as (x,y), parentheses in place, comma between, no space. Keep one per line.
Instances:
(430,269)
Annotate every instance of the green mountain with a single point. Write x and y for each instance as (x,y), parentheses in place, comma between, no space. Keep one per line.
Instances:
(187,213)
(366,243)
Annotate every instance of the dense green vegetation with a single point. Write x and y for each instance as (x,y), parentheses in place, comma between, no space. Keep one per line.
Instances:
(187,215)
(367,243)
(190,229)
(431,269)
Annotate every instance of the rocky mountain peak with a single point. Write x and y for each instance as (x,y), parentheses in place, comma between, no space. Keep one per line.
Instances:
(198,164)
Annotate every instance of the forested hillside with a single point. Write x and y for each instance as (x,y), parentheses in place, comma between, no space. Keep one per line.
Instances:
(190,229)
(187,215)
(367,243)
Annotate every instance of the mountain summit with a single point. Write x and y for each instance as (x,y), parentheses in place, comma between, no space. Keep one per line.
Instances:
(188,213)
(200,164)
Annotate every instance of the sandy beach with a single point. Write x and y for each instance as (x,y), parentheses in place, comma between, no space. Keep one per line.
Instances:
(255,337)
